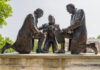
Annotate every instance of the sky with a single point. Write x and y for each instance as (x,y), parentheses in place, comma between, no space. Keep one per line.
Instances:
(57,8)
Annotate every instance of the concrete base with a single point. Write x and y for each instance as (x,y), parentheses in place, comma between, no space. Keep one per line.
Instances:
(15,61)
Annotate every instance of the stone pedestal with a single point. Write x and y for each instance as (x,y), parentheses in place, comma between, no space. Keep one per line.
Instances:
(15,61)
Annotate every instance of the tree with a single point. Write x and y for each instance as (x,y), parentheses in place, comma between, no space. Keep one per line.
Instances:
(98,37)
(5,12)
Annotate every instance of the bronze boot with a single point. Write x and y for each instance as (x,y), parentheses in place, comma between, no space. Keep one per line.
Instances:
(93,47)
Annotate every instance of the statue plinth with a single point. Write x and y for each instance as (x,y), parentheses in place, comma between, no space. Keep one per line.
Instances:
(50,61)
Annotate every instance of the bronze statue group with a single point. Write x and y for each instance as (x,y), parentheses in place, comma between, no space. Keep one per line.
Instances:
(51,34)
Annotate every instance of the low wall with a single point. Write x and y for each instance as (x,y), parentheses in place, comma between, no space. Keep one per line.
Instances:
(51,61)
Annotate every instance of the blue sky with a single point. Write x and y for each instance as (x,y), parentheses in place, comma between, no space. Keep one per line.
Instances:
(55,7)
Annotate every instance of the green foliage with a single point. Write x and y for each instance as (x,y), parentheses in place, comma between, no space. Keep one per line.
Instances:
(35,46)
(3,41)
(5,12)
(98,37)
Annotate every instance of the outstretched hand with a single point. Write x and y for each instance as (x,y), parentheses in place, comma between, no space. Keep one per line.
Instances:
(66,30)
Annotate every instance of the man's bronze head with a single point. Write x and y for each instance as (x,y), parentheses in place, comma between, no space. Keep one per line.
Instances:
(38,13)
(70,8)
(51,19)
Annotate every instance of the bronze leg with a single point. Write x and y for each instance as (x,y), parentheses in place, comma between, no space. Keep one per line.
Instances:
(32,43)
(46,47)
(40,42)
(54,46)
(5,48)
(66,35)
(69,44)
(93,47)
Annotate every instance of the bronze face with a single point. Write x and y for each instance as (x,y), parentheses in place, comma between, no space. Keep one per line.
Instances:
(38,13)
(51,19)
(70,9)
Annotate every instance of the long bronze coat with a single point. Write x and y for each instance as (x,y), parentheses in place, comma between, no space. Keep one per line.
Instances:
(78,27)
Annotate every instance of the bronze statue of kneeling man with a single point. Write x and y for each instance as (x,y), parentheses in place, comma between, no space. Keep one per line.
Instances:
(23,43)
(78,31)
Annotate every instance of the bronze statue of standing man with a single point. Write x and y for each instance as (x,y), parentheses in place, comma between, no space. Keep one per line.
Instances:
(38,13)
